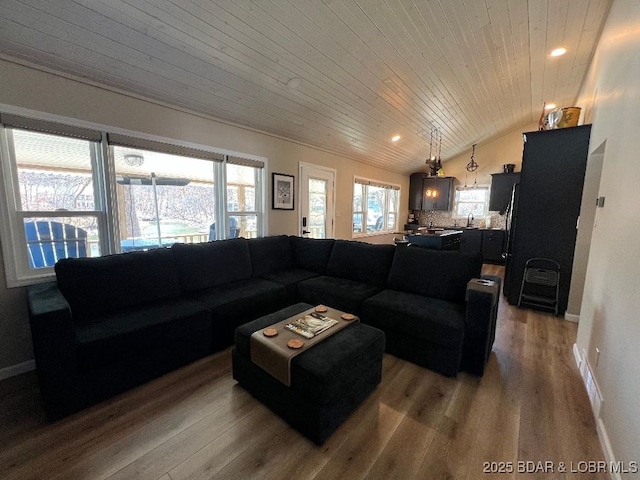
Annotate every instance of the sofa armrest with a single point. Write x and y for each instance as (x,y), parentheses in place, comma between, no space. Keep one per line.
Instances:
(480,323)
(54,346)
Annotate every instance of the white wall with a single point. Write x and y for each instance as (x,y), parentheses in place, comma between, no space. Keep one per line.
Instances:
(40,91)
(610,310)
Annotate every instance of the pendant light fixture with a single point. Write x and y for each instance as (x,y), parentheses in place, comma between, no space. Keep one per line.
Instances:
(439,170)
(472,166)
(435,150)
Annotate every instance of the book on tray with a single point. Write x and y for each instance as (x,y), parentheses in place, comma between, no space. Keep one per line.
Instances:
(310,325)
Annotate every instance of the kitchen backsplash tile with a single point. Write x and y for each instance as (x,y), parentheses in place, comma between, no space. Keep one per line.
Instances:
(444,219)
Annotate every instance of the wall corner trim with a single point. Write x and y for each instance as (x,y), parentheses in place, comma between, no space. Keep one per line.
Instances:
(578,357)
(572,317)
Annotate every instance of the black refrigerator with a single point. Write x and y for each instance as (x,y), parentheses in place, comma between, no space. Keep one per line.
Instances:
(546,206)
(510,224)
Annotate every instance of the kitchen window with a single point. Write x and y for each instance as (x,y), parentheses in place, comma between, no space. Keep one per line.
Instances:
(375,207)
(471,200)
(76,192)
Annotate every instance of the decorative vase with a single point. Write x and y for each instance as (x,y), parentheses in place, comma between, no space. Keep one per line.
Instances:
(553,118)
(570,117)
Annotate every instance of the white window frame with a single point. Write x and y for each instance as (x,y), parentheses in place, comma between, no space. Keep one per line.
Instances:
(12,233)
(259,196)
(456,200)
(386,229)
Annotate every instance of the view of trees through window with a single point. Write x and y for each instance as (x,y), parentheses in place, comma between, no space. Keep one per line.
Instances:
(378,214)
(472,201)
(160,198)
(163,198)
(56,197)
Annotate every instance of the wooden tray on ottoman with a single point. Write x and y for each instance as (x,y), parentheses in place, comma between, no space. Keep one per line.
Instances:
(328,381)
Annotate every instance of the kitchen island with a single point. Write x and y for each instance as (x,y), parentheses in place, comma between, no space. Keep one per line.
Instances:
(437,239)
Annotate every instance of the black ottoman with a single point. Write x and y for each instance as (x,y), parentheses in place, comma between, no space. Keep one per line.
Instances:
(328,381)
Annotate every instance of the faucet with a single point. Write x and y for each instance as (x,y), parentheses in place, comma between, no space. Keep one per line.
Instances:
(469,219)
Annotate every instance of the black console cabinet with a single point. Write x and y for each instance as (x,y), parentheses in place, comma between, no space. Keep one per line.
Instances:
(548,205)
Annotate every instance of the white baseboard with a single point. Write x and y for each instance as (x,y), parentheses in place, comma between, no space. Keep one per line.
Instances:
(596,404)
(609,457)
(14,370)
(572,317)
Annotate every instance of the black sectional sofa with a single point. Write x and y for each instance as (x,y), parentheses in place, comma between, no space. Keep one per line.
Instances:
(113,322)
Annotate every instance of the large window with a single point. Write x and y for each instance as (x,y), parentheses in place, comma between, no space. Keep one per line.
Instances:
(243,205)
(375,207)
(74,192)
(163,198)
(472,200)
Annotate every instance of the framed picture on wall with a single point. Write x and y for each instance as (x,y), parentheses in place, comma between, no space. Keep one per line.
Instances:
(282,189)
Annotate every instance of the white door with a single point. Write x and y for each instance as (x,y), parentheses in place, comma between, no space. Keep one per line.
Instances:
(317,200)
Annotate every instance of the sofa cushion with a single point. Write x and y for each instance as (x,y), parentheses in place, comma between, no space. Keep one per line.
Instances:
(209,264)
(138,332)
(431,319)
(341,293)
(270,254)
(312,253)
(236,303)
(433,273)
(361,262)
(290,279)
(114,282)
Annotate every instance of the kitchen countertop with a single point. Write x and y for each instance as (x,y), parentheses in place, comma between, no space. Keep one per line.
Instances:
(436,239)
(436,233)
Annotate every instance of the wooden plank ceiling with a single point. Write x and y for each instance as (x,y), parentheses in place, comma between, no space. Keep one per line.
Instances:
(368,69)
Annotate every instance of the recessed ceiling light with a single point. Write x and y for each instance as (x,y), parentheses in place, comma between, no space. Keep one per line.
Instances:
(550,106)
(395,138)
(294,83)
(558,52)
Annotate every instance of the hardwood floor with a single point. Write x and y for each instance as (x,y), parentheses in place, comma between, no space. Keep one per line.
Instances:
(197,423)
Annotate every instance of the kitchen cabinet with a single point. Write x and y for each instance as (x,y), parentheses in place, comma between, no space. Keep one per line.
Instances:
(493,245)
(547,205)
(490,243)
(471,241)
(430,193)
(501,187)
(415,191)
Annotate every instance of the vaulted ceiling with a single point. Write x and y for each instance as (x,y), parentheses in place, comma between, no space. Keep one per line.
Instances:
(342,75)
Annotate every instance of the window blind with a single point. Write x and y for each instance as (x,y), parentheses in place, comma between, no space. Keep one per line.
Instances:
(24,123)
(134,142)
(375,183)
(246,162)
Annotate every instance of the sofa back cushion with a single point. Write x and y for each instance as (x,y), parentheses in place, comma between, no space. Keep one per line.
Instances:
(210,264)
(361,261)
(270,254)
(109,283)
(433,273)
(311,253)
